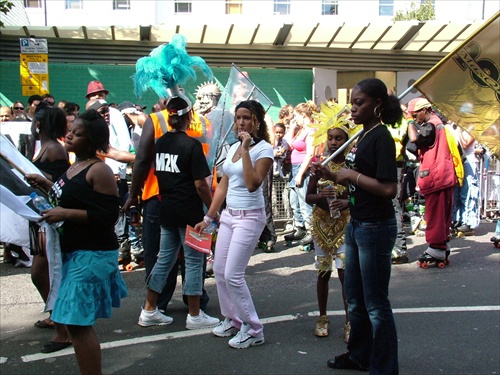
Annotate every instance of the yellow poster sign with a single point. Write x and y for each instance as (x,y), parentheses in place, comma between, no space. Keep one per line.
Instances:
(34,72)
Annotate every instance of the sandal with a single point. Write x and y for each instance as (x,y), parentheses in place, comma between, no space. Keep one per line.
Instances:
(321,329)
(54,346)
(43,324)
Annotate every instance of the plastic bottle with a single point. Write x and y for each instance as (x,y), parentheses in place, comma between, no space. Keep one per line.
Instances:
(211,227)
(334,212)
(41,204)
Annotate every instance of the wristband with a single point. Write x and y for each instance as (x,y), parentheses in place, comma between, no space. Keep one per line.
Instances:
(357,179)
(208,219)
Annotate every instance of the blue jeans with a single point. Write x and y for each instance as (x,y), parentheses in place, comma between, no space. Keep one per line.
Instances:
(302,211)
(465,200)
(170,243)
(151,244)
(373,340)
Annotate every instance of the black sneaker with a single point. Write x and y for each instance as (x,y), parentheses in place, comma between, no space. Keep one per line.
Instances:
(345,362)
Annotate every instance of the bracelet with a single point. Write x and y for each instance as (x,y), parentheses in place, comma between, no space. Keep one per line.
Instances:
(357,179)
(208,219)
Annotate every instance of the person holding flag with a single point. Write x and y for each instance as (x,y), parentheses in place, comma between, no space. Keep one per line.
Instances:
(86,200)
(371,178)
(436,177)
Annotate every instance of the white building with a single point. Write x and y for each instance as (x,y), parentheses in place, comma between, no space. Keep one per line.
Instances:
(160,12)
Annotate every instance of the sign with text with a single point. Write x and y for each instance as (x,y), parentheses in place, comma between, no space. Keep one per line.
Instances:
(33,45)
(34,67)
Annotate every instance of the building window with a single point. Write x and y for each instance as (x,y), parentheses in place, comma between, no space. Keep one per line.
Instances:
(281,7)
(32,3)
(121,4)
(74,4)
(182,7)
(234,6)
(330,7)
(386,8)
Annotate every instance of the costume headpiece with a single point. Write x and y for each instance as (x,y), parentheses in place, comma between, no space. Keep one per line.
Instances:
(332,116)
(167,67)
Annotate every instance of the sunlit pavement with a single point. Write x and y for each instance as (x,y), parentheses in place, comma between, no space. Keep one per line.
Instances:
(447,319)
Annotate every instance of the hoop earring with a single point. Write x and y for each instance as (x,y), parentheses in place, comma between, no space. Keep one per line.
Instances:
(379,114)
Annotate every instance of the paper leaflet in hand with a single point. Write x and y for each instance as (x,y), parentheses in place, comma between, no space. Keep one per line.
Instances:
(201,242)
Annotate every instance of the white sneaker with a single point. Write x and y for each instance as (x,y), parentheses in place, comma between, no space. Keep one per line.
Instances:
(243,340)
(153,318)
(201,321)
(225,329)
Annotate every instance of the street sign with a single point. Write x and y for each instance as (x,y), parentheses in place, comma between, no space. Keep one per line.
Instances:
(33,45)
(34,67)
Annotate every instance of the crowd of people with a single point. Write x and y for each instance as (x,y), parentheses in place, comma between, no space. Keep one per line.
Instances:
(349,210)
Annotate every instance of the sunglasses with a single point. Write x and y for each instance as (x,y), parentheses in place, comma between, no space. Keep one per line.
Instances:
(19,108)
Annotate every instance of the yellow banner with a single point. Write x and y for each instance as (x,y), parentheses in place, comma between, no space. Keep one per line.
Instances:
(465,85)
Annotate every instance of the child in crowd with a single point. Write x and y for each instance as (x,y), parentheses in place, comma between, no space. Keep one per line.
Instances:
(327,231)
(280,149)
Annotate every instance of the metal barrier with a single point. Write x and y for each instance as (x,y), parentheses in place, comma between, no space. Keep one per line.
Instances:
(489,186)
(282,212)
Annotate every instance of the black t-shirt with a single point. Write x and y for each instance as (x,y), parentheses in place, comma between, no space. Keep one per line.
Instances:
(179,163)
(102,211)
(375,156)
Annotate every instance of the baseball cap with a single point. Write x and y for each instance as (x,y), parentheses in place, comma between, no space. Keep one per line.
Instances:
(98,104)
(128,108)
(417,104)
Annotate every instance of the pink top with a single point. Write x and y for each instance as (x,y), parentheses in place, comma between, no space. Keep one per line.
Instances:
(299,147)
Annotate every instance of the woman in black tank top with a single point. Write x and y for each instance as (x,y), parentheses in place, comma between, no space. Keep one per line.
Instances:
(49,125)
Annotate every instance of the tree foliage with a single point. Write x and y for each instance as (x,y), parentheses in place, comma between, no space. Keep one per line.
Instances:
(5,6)
(419,12)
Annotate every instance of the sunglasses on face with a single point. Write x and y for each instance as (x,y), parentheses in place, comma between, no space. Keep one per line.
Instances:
(19,108)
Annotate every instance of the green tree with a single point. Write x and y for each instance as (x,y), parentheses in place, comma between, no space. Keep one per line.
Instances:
(420,12)
(5,6)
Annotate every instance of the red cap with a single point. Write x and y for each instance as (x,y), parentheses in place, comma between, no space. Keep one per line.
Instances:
(95,86)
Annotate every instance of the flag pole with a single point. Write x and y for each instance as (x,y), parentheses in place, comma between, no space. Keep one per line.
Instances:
(19,169)
(16,167)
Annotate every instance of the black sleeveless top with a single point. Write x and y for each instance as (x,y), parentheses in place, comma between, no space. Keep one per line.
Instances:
(102,211)
(53,168)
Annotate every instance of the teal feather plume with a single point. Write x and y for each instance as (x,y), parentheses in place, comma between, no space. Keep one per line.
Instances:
(167,66)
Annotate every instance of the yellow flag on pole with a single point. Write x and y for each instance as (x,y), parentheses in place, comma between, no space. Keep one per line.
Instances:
(465,85)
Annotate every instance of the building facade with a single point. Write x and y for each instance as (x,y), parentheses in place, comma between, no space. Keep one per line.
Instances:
(157,12)
(295,50)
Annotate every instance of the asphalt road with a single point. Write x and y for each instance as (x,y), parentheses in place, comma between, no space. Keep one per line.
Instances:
(448,320)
